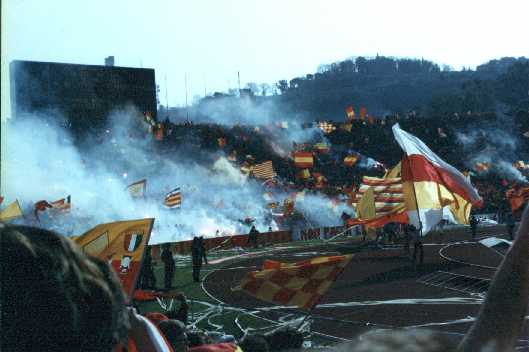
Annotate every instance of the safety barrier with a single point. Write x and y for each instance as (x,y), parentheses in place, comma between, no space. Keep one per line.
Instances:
(184,247)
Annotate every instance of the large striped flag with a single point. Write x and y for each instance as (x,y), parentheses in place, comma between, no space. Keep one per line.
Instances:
(138,188)
(300,284)
(303,160)
(11,212)
(430,184)
(264,170)
(173,199)
(121,244)
(380,200)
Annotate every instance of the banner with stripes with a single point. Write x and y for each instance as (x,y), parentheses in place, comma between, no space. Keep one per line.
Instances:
(303,160)
(264,170)
(387,193)
(173,199)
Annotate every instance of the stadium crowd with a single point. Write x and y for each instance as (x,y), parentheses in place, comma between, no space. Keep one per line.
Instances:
(366,139)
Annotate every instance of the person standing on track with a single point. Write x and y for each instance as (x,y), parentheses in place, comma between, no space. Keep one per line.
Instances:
(418,249)
(203,251)
(473,225)
(252,237)
(196,256)
(169,265)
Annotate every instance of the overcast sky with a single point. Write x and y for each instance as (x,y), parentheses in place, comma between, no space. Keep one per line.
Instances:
(266,40)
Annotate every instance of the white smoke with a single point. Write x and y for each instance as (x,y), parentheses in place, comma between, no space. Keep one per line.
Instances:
(44,164)
(494,146)
(320,211)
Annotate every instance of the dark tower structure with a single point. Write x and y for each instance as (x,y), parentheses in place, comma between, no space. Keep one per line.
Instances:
(81,96)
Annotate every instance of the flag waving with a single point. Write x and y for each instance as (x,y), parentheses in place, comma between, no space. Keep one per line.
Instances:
(11,212)
(62,205)
(264,170)
(138,188)
(300,284)
(173,199)
(121,244)
(430,184)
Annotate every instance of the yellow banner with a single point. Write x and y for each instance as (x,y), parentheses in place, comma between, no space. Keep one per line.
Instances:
(11,212)
(121,244)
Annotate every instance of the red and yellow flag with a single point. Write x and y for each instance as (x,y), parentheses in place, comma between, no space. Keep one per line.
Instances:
(300,284)
(350,160)
(303,160)
(429,184)
(121,244)
(363,113)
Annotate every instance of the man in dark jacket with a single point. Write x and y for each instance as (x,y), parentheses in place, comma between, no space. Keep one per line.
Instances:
(148,280)
(203,250)
(252,237)
(473,225)
(196,256)
(169,265)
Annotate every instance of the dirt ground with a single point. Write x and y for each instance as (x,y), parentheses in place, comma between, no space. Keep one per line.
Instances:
(382,289)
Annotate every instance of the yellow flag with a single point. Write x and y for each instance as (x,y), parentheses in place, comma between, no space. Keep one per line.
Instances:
(11,212)
(121,244)
(395,172)
(366,205)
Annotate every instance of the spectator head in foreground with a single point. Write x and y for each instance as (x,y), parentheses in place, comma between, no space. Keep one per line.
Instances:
(54,297)
(254,343)
(175,333)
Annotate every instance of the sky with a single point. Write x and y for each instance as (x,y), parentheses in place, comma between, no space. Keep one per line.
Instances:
(210,41)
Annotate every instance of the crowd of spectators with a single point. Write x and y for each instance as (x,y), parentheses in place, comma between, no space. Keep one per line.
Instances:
(363,138)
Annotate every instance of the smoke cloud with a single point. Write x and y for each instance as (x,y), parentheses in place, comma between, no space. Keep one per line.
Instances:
(45,164)
(495,146)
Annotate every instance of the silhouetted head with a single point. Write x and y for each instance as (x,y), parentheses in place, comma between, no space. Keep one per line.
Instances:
(56,297)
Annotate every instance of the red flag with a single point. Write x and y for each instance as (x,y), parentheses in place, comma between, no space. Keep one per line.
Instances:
(363,112)
(303,160)
(517,197)
(350,113)
(158,134)
(41,205)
